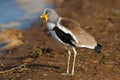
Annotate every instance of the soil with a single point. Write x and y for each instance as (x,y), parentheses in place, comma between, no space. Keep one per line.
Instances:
(43,58)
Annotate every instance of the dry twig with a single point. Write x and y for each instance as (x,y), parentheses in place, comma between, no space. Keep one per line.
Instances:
(12,69)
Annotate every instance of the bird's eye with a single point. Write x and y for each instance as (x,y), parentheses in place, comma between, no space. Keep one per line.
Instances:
(47,11)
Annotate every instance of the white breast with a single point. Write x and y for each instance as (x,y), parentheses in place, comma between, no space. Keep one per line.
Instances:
(50,27)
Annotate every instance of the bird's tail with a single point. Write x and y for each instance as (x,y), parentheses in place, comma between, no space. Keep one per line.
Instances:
(98,48)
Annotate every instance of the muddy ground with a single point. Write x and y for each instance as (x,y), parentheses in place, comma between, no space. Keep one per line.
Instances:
(43,58)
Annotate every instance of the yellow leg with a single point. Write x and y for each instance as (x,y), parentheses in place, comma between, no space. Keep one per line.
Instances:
(75,53)
(68,64)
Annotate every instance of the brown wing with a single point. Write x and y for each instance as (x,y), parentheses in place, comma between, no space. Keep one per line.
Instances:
(83,38)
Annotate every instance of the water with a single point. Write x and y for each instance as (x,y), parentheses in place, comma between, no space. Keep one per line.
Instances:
(19,13)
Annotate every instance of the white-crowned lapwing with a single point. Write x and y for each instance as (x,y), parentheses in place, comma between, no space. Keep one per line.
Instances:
(69,33)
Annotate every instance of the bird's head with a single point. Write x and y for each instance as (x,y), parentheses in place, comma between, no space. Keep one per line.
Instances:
(49,15)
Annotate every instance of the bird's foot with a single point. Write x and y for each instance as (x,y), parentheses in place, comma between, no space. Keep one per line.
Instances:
(67,74)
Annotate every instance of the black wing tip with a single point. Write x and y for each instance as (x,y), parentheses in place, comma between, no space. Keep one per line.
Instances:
(98,48)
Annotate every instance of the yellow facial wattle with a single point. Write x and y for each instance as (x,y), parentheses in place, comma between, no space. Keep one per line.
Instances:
(44,17)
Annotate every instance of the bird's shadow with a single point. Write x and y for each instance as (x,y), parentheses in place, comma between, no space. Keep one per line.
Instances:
(42,66)
(30,65)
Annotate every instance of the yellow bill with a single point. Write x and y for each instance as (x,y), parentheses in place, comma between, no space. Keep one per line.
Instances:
(44,17)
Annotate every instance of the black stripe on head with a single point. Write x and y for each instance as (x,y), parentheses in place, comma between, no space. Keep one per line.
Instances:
(65,37)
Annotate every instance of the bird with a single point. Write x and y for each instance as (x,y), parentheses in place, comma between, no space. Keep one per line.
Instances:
(69,33)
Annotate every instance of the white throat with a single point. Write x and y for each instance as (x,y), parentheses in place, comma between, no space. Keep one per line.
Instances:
(52,25)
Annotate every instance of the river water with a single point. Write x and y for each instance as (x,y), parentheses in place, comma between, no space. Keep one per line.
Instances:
(20,13)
